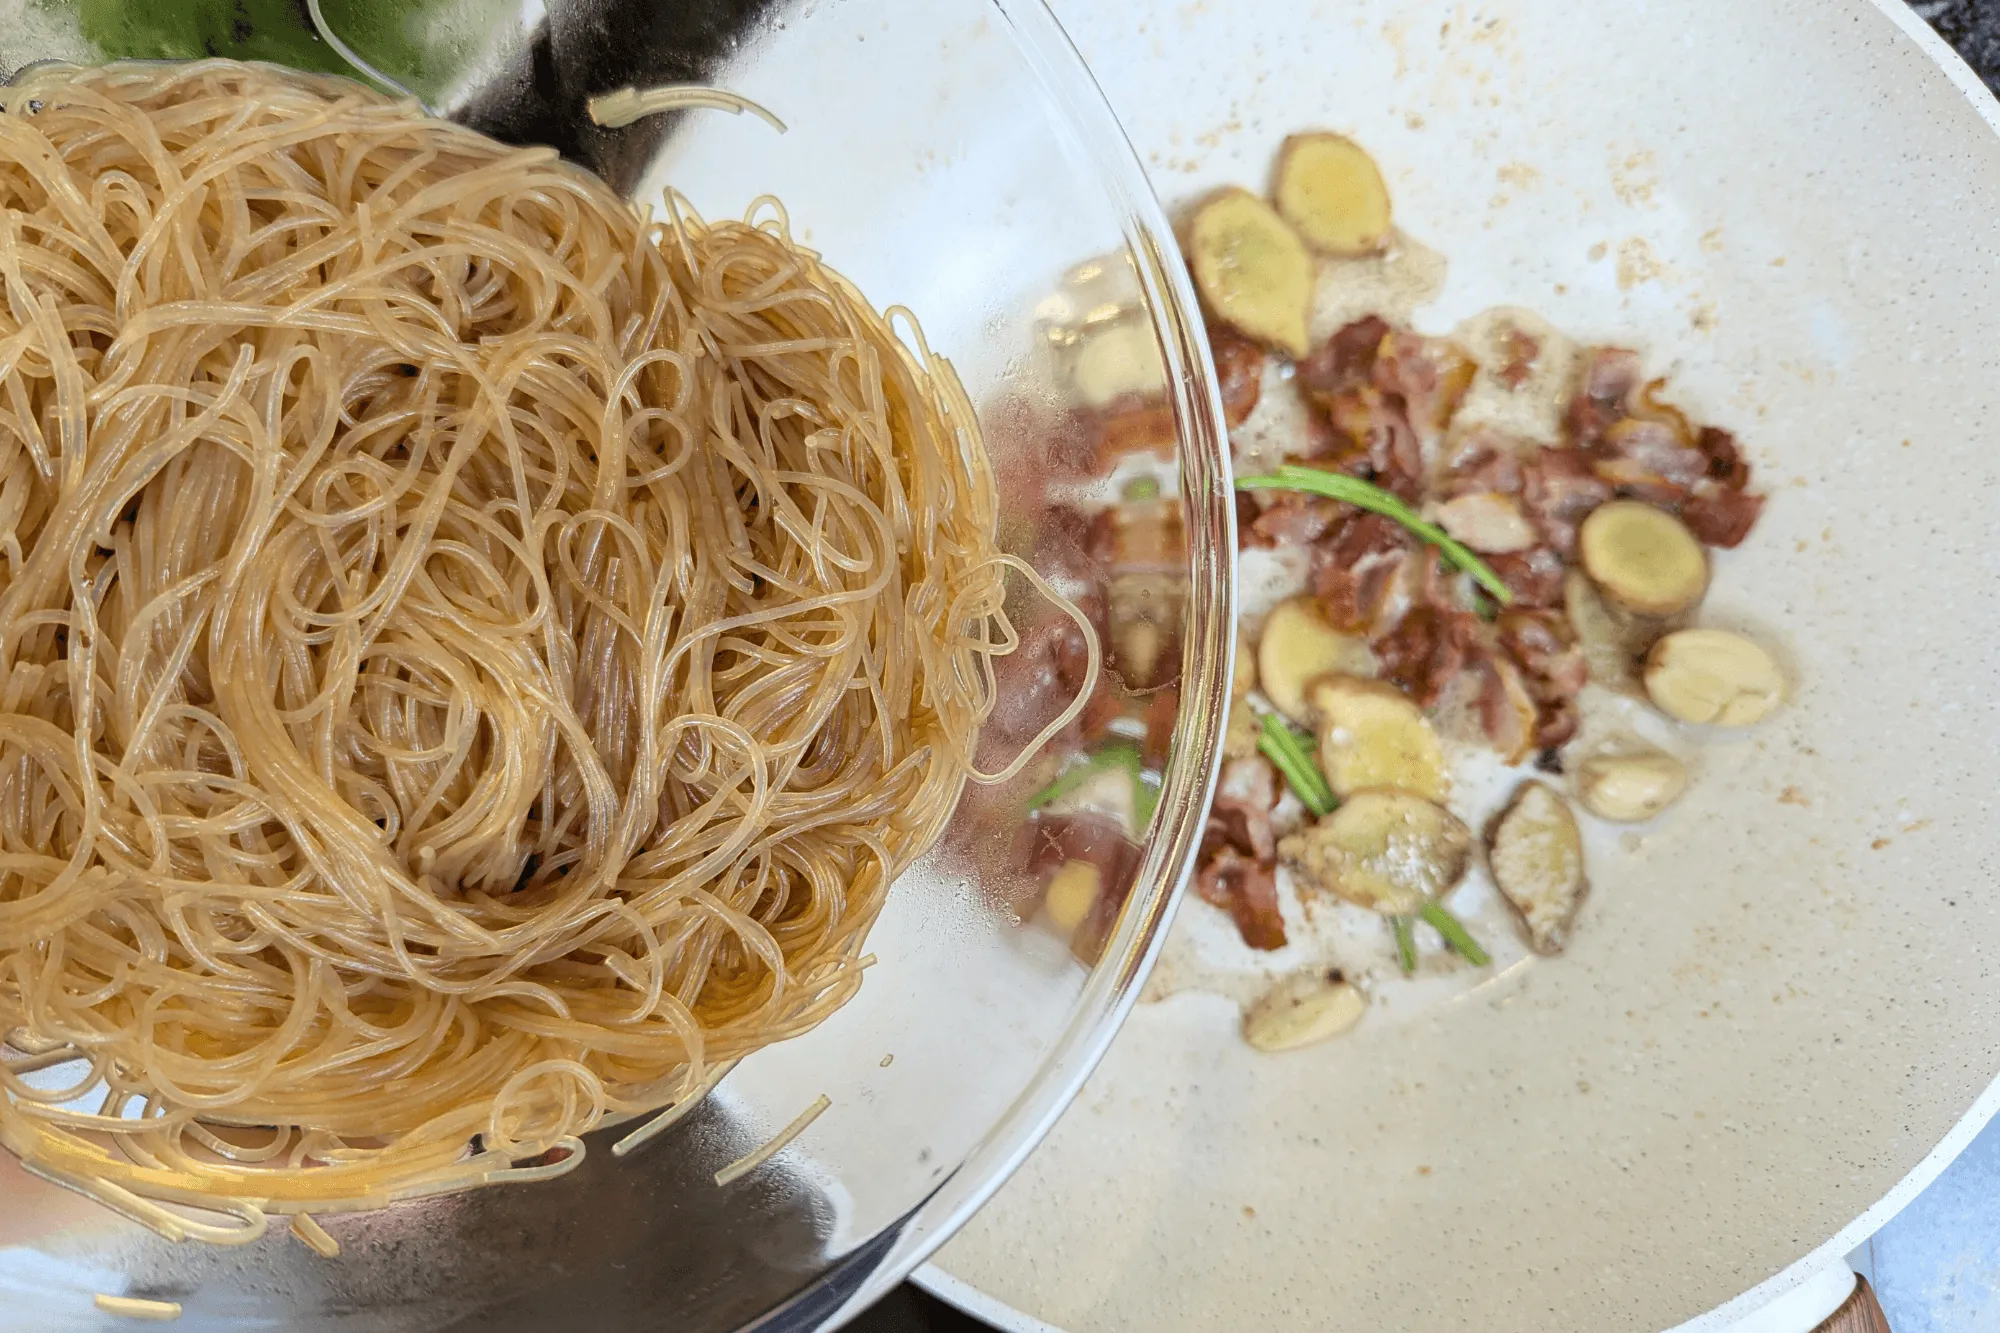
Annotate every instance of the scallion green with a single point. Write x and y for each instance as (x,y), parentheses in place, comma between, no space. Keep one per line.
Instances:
(1455,934)
(1293,756)
(1118,754)
(1367,495)
(1406,943)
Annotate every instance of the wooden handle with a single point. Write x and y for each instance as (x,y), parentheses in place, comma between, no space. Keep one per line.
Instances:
(1861,1314)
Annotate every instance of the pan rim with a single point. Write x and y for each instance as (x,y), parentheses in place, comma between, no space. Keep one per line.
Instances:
(1983,1109)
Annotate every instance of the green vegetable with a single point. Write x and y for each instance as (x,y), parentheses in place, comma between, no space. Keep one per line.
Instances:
(1140,489)
(1118,755)
(1367,495)
(1292,753)
(1406,943)
(1455,934)
(424,44)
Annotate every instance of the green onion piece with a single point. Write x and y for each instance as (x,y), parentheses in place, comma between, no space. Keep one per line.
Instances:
(1292,753)
(1118,754)
(1455,934)
(1140,489)
(1406,943)
(1367,495)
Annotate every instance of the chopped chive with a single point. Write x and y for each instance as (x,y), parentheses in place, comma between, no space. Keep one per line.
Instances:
(1455,934)
(1406,943)
(1292,754)
(1367,495)
(1140,489)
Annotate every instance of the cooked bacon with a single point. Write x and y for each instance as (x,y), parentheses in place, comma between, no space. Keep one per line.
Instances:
(1378,391)
(1241,814)
(1367,380)
(1560,490)
(1428,376)
(1239,369)
(1534,576)
(1721,515)
(1544,647)
(1435,582)
(1427,649)
(1372,437)
(1484,464)
(1634,481)
(1644,448)
(1721,512)
(1248,890)
(1658,447)
(1557,723)
(1354,597)
(1725,461)
(1253,780)
(1658,453)
(1649,405)
(1354,570)
(1396,453)
(1327,446)
(1605,387)
(1295,519)
(1346,361)
(1509,726)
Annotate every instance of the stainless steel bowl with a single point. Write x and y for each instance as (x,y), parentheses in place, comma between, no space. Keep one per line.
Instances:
(949,155)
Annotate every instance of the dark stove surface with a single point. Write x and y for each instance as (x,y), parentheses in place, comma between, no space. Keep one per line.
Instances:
(1973,26)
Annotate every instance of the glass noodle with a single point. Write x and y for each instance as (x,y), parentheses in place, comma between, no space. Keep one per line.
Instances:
(473,659)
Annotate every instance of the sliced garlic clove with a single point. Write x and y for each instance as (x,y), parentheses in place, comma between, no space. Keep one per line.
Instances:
(1713,676)
(1303,1010)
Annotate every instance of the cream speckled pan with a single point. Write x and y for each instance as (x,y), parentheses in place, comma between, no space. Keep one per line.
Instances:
(1782,1000)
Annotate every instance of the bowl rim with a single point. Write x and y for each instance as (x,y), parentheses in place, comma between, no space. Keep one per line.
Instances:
(1094,143)
(1094,140)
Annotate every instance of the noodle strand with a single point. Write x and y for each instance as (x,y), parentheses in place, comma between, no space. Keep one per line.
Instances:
(472,660)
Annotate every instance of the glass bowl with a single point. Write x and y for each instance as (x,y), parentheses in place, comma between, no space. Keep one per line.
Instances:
(948,155)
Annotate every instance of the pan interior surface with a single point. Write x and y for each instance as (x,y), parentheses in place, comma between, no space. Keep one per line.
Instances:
(1780,997)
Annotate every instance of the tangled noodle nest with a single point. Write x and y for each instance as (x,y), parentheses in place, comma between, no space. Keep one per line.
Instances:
(474,659)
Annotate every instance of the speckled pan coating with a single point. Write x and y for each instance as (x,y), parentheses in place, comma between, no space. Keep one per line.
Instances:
(1784,995)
